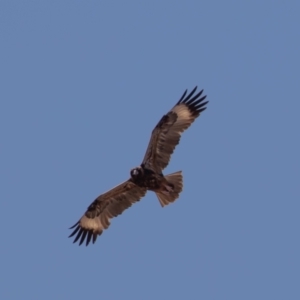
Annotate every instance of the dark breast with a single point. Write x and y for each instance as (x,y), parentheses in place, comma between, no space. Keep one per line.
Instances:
(149,180)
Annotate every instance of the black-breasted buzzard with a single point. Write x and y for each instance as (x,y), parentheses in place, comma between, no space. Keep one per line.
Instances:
(148,176)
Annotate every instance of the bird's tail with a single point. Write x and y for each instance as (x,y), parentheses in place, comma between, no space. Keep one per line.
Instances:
(173,189)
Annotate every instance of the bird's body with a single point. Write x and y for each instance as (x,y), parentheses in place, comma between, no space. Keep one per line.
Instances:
(164,187)
(148,176)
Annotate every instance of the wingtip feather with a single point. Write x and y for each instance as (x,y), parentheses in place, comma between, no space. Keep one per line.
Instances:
(74,225)
(183,95)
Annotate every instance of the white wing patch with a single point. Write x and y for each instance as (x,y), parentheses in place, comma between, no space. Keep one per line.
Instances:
(182,111)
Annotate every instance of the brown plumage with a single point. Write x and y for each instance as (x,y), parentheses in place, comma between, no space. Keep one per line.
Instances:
(148,176)
(106,206)
(166,135)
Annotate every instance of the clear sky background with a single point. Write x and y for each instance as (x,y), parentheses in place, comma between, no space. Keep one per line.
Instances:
(83,83)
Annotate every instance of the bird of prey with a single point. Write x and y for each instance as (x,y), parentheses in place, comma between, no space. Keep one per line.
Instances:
(148,176)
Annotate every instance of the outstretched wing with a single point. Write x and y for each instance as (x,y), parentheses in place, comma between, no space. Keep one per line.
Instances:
(106,206)
(166,135)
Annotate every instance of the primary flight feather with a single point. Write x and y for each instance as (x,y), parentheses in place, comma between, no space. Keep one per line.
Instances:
(148,176)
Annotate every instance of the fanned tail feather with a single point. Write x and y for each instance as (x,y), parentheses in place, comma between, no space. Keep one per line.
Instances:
(175,180)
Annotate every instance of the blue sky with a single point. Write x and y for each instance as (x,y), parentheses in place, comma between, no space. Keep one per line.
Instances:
(83,83)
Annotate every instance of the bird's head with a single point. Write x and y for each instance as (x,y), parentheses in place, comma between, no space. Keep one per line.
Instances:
(136,172)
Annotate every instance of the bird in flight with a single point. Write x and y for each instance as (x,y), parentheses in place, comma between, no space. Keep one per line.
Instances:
(148,176)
